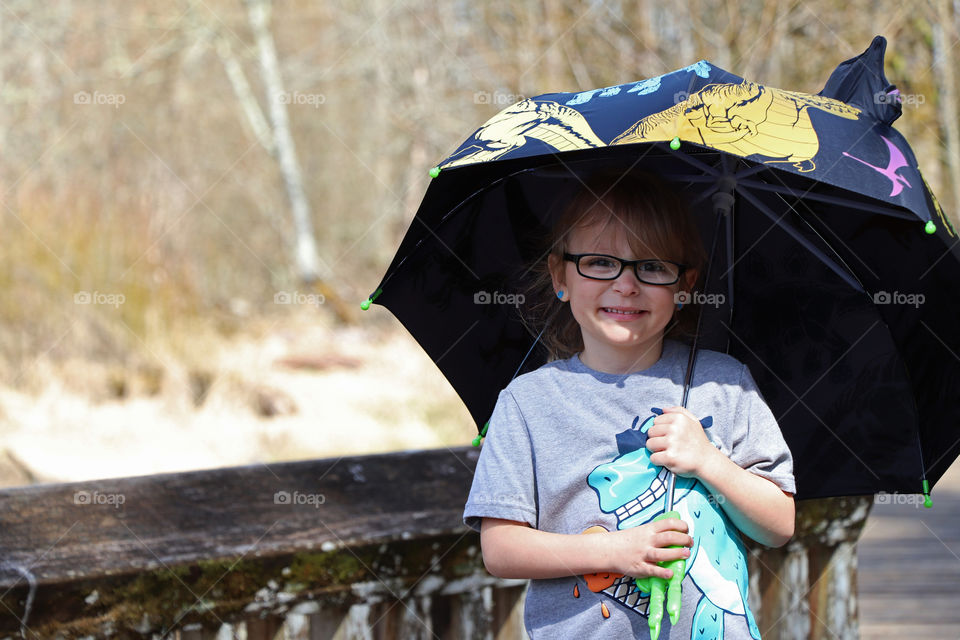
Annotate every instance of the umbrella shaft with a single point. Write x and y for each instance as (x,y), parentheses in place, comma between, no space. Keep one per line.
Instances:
(671,482)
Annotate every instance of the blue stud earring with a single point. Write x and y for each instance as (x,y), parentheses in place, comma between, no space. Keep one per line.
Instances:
(679,306)
(560,294)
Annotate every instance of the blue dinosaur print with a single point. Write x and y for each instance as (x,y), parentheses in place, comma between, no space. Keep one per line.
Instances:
(585,96)
(641,88)
(633,488)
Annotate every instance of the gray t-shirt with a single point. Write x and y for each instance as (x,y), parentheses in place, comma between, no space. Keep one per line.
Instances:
(565,452)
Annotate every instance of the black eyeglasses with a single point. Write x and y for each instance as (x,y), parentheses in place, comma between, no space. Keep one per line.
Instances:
(599,266)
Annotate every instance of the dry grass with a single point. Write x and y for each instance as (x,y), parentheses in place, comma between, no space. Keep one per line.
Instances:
(210,413)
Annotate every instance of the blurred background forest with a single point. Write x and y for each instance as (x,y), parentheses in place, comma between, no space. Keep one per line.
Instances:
(197,195)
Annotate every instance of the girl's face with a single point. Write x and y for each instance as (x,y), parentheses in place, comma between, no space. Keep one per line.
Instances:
(622,321)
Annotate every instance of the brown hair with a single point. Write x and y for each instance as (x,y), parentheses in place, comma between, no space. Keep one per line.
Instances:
(658,223)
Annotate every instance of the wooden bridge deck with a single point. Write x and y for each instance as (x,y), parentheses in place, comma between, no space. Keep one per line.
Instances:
(909,566)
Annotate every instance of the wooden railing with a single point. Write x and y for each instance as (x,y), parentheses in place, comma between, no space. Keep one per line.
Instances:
(353,547)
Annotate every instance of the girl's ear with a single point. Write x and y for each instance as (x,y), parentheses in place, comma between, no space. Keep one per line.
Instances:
(555,264)
(689,279)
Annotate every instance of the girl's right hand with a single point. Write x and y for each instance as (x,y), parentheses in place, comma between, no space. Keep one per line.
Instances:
(636,551)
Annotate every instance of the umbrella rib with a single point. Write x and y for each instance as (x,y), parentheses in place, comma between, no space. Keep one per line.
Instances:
(535,341)
(678,177)
(750,170)
(706,193)
(807,195)
(711,171)
(702,166)
(455,209)
(831,246)
(445,217)
(799,238)
(947,347)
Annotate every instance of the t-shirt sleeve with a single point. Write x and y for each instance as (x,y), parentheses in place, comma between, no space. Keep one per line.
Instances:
(503,484)
(758,445)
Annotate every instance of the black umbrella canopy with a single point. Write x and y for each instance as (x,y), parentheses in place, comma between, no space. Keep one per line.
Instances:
(839,289)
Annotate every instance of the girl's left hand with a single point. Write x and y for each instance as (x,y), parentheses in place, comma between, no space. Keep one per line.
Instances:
(677,441)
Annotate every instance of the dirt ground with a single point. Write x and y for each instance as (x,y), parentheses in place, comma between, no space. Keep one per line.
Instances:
(293,390)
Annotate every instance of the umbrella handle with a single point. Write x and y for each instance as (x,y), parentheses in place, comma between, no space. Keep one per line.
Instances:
(657,587)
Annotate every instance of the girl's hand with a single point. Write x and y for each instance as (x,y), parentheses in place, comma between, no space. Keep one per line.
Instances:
(637,550)
(677,441)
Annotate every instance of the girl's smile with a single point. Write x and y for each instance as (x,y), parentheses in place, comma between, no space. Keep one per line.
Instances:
(623,314)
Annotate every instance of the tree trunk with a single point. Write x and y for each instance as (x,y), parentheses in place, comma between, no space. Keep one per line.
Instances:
(306,258)
(943,39)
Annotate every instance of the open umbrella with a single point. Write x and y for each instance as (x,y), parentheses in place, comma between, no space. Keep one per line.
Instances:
(837,266)
(835,263)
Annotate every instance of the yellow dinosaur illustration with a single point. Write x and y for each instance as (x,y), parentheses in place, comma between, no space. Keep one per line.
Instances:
(550,122)
(745,119)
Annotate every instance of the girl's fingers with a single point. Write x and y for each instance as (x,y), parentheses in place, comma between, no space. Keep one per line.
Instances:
(656,443)
(658,571)
(671,524)
(663,555)
(671,538)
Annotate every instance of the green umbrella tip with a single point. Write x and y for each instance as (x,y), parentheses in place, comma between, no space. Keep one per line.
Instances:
(927,501)
(675,143)
(930,227)
(366,303)
(434,172)
(483,432)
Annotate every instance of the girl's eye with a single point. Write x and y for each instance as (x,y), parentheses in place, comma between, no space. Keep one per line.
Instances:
(599,262)
(653,266)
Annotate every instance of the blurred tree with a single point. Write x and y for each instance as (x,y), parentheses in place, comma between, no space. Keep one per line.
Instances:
(123,168)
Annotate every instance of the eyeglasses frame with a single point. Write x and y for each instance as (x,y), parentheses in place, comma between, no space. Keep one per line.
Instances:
(624,263)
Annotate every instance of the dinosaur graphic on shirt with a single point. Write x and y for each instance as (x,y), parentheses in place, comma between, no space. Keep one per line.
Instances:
(633,488)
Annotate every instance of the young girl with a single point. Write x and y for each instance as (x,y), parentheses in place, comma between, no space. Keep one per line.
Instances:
(572,471)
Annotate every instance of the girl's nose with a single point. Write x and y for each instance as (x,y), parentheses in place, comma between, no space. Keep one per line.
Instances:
(627,282)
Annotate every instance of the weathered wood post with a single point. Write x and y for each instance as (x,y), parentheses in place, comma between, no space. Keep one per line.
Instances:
(807,589)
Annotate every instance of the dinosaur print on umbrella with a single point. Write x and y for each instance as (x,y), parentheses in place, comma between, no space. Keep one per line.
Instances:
(552,123)
(745,119)
(897,161)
